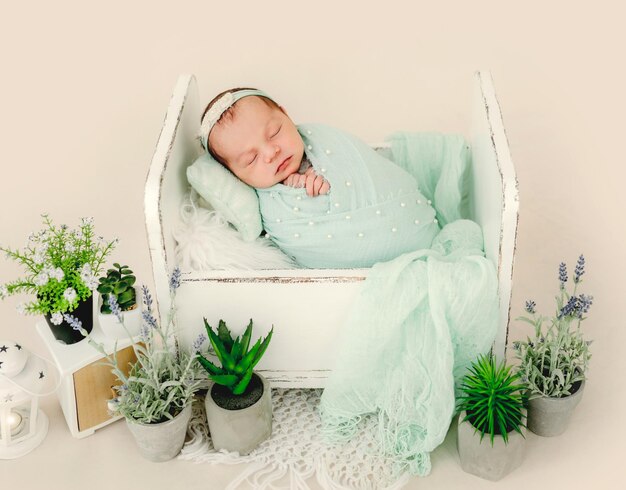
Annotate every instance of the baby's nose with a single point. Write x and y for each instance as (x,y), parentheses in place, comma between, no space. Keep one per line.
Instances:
(271,153)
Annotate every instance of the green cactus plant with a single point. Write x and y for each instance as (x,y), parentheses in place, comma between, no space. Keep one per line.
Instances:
(118,282)
(237,362)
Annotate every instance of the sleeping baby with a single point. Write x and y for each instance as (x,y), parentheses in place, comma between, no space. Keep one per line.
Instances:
(326,199)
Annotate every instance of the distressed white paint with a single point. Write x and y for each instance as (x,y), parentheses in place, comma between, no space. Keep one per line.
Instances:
(306,307)
(494,195)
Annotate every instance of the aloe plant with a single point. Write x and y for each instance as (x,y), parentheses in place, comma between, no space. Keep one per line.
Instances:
(493,398)
(119,283)
(237,361)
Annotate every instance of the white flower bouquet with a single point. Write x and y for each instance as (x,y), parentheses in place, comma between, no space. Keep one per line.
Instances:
(62,268)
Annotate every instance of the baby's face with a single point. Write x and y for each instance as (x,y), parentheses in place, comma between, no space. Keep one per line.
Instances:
(260,144)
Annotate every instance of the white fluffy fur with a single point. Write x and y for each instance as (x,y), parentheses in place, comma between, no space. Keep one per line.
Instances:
(205,241)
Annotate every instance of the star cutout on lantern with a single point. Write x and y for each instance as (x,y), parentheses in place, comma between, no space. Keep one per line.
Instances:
(41,374)
(19,347)
(1,363)
(8,398)
(3,348)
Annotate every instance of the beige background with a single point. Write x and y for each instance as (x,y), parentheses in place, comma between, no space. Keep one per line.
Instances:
(84,89)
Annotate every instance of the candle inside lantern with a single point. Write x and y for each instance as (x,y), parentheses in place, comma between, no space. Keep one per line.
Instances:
(15,423)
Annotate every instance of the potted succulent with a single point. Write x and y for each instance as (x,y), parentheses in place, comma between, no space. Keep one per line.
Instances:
(491,403)
(119,283)
(61,270)
(239,403)
(155,396)
(554,361)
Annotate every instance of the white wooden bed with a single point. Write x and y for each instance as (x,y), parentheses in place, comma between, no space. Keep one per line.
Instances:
(301,353)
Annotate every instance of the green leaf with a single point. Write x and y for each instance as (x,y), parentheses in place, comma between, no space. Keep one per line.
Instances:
(113,274)
(236,350)
(241,386)
(245,339)
(208,365)
(224,379)
(217,344)
(247,360)
(263,347)
(126,296)
(224,335)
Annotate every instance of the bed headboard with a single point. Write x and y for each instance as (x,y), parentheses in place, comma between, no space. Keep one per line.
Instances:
(494,195)
(166,183)
(494,200)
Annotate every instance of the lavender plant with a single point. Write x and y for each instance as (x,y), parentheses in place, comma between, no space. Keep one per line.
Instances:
(163,379)
(61,265)
(556,358)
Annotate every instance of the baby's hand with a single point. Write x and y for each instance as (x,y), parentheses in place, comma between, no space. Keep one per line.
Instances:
(314,184)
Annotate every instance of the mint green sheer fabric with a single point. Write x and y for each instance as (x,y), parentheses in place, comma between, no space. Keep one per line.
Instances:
(373,212)
(418,321)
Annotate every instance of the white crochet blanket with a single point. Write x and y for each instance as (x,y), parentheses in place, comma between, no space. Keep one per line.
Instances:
(296,453)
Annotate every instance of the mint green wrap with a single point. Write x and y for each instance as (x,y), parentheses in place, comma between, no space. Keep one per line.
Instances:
(417,323)
(373,212)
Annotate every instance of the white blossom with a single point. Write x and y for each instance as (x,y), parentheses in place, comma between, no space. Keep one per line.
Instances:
(87,276)
(69,247)
(57,273)
(4,292)
(70,295)
(41,253)
(56,318)
(32,240)
(85,271)
(21,308)
(87,221)
(41,279)
(92,283)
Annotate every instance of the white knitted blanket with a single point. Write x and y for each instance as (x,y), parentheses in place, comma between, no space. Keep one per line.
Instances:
(296,454)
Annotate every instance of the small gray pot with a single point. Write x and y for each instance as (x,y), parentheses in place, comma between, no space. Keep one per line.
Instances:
(163,441)
(482,459)
(549,416)
(240,430)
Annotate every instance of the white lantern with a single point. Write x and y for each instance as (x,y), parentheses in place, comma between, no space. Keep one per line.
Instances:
(23,377)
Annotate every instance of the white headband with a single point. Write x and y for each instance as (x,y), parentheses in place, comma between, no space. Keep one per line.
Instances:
(218,108)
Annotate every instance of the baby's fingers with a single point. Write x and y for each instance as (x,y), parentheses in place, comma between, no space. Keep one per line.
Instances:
(325,187)
(310,185)
(320,184)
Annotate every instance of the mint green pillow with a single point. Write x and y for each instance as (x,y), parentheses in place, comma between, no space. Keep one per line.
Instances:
(228,195)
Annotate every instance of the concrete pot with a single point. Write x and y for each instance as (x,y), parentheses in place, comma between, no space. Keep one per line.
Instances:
(163,441)
(484,460)
(549,416)
(113,329)
(240,430)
